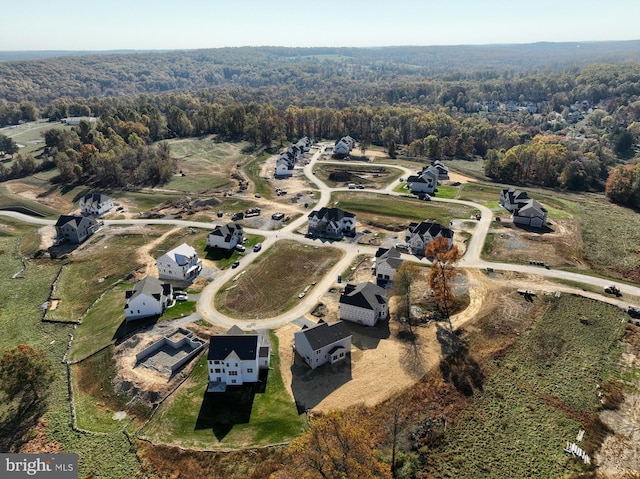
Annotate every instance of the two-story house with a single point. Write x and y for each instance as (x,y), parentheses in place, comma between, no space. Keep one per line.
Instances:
(226,236)
(179,264)
(76,229)
(95,204)
(419,235)
(331,223)
(323,343)
(363,303)
(149,297)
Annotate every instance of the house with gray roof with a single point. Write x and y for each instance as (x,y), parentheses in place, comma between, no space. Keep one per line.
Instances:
(180,264)
(331,223)
(95,204)
(226,236)
(76,229)
(363,303)
(386,263)
(419,235)
(149,297)
(425,182)
(323,343)
(511,198)
(531,213)
(236,358)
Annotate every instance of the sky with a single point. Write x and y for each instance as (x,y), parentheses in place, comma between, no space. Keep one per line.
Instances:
(194,24)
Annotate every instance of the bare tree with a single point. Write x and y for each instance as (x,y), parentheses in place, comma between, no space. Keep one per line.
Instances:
(442,273)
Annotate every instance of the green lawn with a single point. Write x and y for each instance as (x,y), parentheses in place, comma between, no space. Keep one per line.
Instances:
(181,419)
(393,209)
(536,397)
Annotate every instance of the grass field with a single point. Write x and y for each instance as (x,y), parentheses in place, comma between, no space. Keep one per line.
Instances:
(265,290)
(536,397)
(185,418)
(391,210)
(110,455)
(369,175)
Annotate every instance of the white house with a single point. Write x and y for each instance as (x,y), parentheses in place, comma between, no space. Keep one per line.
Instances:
(426,182)
(179,264)
(363,303)
(95,204)
(323,343)
(344,146)
(387,262)
(76,229)
(530,213)
(149,297)
(512,199)
(331,223)
(441,169)
(236,358)
(419,235)
(225,236)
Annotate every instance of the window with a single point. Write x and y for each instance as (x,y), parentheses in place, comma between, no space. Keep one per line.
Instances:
(211,371)
(249,370)
(218,370)
(233,373)
(233,381)
(342,355)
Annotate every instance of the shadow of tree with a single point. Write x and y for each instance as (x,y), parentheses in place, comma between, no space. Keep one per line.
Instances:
(457,366)
(18,421)
(126,328)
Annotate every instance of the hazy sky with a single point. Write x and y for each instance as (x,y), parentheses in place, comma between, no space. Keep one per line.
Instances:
(190,24)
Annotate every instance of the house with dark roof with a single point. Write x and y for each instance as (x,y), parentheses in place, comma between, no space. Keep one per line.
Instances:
(95,204)
(441,169)
(511,199)
(149,297)
(386,263)
(225,236)
(419,235)
(236,358)
(323,343)
(363,303)
(286,162)
(331,223)
(531,213)
(425,182)
(179,264)
(76,229)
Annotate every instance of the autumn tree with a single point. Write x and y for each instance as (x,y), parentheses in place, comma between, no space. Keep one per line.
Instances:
(402,282)
(623,185)
(337,445)
(442,272)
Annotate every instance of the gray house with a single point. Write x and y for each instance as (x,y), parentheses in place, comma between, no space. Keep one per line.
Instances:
(76,229)
(323,343)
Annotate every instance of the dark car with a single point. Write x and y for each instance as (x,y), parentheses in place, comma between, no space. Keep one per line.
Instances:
(235,264)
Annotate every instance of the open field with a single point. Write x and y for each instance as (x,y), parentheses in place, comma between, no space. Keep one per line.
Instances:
(373,177)
(536,396)
(264,289)
(191,418)
(30,135)
(109,454)
(390,212)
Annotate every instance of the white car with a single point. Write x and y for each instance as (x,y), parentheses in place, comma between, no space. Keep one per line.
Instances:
(181,296)
(240,248)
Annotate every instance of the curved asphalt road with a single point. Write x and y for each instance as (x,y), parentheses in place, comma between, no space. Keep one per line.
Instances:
(471,257)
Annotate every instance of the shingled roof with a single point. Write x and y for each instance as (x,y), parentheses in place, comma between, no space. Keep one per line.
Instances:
(323,334)
(364,295)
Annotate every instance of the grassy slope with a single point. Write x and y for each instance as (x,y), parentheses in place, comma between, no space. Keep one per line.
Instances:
(108,455)
(536,397)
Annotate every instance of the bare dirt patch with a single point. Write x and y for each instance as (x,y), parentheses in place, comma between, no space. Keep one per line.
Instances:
(40,195)
(558,247)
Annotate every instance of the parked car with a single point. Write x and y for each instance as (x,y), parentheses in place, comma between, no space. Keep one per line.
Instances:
(235,264)
(181,296)
(257,247)
(240,248)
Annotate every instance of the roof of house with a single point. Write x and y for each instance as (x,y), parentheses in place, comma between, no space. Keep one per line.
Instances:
(514,195)
(530,208)
(226,231)
(363,295)
(431,227)
(245,346)
(149,286)
(389,255)
(331,214)
(74,220)
(182,254)
(323,334)
(91,198)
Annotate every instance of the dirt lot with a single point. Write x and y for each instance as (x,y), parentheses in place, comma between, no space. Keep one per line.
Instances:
(558,246)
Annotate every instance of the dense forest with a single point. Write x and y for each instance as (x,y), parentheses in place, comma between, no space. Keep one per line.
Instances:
(554,115)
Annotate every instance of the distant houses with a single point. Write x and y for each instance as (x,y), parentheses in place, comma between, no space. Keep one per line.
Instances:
(236,358)
(179,264)
(419,235)
(344,146)
(386,264)
(323,343)
(524,210)
(226,236)
(95,204)
(75,229)
(149,297)
(332,223)
(286,162)
(364,303)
